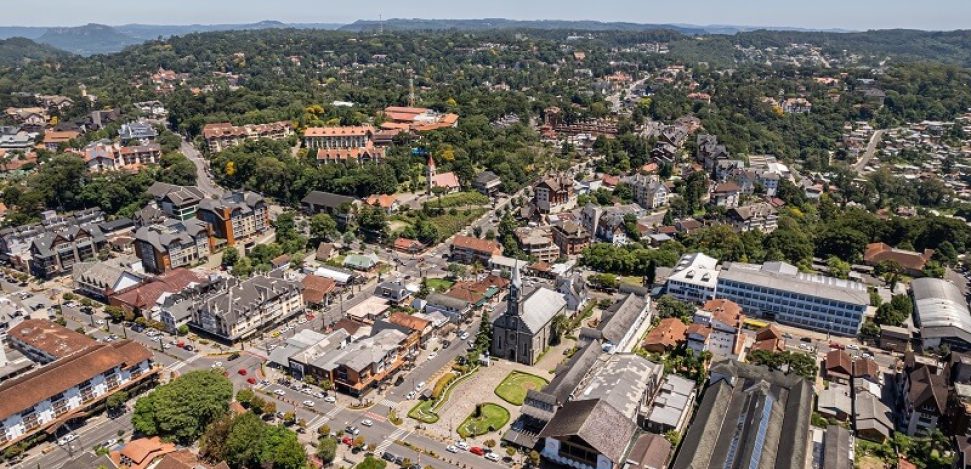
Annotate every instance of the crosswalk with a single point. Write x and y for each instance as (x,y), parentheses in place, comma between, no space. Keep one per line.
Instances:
(398,434)
(388,403)
(376,417)
(333,413)
(178,366)
(316,423)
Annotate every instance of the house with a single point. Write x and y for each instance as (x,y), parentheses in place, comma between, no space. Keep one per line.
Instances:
(340,207)
(726,195)
(361,262)
(245,307)
(141,453)
(760,216)
(468,249)
(671,409)
(872,419)
(47,397)
(147,295)
(324,251)
(867,369)
(523,332)
(587,433)
(139,132)
(456,309)
(100,157)
(54,139)
(769,339)
(834,402)
(553,193)
(368,363)
(571,237)
(913,263)
(650,451)
(236,216)
(395,291)
(317,290)
(185,459)
(487,183)
(423,327)
(838,366)
(924,400)
(758,412)
(388,203)
(797,106)
(667,335)
(172,244)
(220,136)
(895,339)
(623,323)
(409,246)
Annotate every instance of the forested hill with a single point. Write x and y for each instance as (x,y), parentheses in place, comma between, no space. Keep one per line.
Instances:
(943,46)
(88,39)
(417,24)
(18,50)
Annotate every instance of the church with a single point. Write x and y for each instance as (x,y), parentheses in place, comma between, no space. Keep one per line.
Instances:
(525,330)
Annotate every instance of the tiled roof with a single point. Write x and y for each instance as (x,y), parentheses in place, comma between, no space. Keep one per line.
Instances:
(668,333)
(53,339)
(476,244)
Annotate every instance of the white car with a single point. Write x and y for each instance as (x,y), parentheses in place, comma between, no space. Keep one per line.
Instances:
(308,403)
(462,445)
(217,365)
(411,396)
(451,449)
(367,422)
(66,439)
(464,335)
(494,457)
(431,356)
(420,385)
(319,395)
(330,399)
(853,347)
(280,392)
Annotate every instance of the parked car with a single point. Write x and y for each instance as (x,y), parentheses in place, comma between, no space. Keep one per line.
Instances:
(451,449)
(251,380)
(348,441)
(279,392)
(493,457)
(242,372)
(464,335)
(477,451)
(352,430)
(462,445)
(309,403)
(330,399)
(64,440)
(419,386)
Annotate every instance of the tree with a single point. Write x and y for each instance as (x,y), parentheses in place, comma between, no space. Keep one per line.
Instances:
(243,443)
(182,409)
(280,449)
(116,401)
(671,307)
(534,457)
(327,449)
(230,257)
(118,314)
(322,227)
(838,268)
(177,169)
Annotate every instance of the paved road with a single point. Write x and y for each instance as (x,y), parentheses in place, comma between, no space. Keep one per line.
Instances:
(203,179)
(871,149)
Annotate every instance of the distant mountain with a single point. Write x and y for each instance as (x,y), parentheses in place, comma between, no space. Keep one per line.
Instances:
(29,32)
(18,50)
(88,39)
(417,24)
(150,31)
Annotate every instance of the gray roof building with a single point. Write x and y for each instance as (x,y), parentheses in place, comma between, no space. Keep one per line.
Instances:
(591,423)
(941,313)
(749,417)
(837,448)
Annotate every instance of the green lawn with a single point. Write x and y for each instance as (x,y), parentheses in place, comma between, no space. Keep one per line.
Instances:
(513,388)
(423,412)
(458,199)
(440,285)
(446,224)
(493,418)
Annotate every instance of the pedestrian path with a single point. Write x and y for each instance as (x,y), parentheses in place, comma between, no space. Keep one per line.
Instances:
(333,412)
(388,403)
(400,433)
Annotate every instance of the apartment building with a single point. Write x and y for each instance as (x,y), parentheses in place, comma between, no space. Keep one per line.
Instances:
(242,308)
(360,136)
(469,249)
(758,216)
(538,243)
(67,388)
(100,157)
(235,216)
(178,202)
(571,237)
(224,135)
(172,244)
(15,241)
(54,253)
(649,191)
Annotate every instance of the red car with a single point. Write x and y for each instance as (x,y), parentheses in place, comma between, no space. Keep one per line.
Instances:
(348,441)
(251,380)
(242,372)
(477,451)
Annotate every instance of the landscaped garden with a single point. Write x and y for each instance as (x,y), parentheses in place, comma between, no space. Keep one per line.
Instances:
(513,388)
(487,417)
(439,285)
(426,411)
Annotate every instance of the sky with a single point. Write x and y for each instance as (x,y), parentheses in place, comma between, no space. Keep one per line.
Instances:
(818,14)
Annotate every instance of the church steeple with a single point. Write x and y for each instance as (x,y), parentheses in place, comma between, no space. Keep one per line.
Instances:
(430,173)
(515,290)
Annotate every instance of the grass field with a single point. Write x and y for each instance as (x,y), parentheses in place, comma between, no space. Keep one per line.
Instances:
(458,199)
(446,223)
(513,388)
(493,418)
(440,285)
